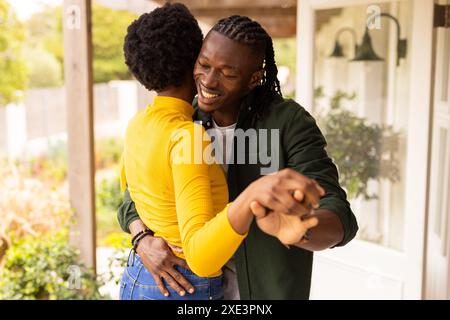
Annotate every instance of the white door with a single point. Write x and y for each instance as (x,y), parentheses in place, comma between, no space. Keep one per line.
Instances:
(386,260)
(437,266)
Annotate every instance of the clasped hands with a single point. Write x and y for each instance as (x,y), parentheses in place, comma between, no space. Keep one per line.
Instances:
(283,203)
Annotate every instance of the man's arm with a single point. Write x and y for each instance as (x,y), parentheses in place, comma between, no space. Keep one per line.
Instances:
(156,255)
(127,212)
(305,148)
(328,232)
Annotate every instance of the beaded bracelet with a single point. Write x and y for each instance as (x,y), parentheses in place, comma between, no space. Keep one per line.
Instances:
(139,234)
(135,241)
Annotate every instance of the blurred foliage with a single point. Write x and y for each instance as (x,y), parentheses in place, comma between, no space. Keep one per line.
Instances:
(108,152)
(109,27)
(35,213)
(41,62)
(44,31)
(108,199)
(30,206)
(13,69)
(36,259)
(109,196)
(44,48)
(362,151)
(52,166)
(35,195)
(46,268)
(285,52)
(117,240)
(285,56)
(116,263)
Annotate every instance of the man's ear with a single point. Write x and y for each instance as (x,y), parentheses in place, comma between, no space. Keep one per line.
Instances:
(256,79)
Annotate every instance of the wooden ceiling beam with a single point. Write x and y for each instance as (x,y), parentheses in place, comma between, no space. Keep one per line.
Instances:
(221,4)
(279,20)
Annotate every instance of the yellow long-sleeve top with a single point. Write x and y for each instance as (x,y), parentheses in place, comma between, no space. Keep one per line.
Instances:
(177,194)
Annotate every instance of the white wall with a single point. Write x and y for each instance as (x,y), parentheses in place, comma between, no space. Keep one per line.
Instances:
(31,127)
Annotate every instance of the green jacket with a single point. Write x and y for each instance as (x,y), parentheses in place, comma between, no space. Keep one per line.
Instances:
(265,268)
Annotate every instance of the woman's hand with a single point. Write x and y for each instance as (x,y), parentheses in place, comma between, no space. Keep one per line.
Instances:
(275,192)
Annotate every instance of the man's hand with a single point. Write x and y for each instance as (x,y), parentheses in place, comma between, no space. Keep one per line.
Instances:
(275,192)
(288,228)
(159,260)
(287,219)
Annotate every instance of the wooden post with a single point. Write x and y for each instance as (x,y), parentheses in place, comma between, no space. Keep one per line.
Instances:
(79,102)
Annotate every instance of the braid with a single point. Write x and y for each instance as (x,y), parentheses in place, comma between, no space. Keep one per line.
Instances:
(251,33)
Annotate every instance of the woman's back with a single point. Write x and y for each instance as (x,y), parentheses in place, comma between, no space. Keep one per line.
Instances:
(176,192)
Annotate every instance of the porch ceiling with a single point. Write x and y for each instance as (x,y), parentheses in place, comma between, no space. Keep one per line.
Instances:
(278,17)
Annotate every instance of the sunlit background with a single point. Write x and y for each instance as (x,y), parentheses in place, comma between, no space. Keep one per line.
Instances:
(377,85)
(35,213)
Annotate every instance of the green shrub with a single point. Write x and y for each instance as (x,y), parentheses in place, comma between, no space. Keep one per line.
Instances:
(46,268)
(30,206)
(362,151)
(116,263)
(108,199)
(109,196)
(42,62)
(108,152)
(52,166)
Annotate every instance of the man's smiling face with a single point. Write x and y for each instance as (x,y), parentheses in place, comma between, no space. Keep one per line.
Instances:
(224,73)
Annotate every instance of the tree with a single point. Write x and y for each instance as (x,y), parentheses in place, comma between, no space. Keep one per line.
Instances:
(109,28)
(41,62)
(12,67)
(45,30)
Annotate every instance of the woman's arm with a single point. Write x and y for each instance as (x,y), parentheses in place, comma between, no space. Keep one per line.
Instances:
(209,240)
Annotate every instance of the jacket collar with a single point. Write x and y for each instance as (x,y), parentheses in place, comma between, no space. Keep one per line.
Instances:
(245,111)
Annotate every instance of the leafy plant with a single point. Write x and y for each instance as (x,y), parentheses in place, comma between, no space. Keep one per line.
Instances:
(285,50)
(28,206)
(108,200)
(109,196)
(362,151)
(46,268)
(12,66)
(108,152)
(41,62)
(109,26)
(51,167)
(116,264)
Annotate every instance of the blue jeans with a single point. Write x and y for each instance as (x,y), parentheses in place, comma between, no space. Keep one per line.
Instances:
(138,284)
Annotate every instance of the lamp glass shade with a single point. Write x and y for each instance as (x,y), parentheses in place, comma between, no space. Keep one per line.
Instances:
(365,51)
(337,51)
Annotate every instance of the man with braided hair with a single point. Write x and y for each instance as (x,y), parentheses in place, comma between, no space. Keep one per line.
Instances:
(238,90)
